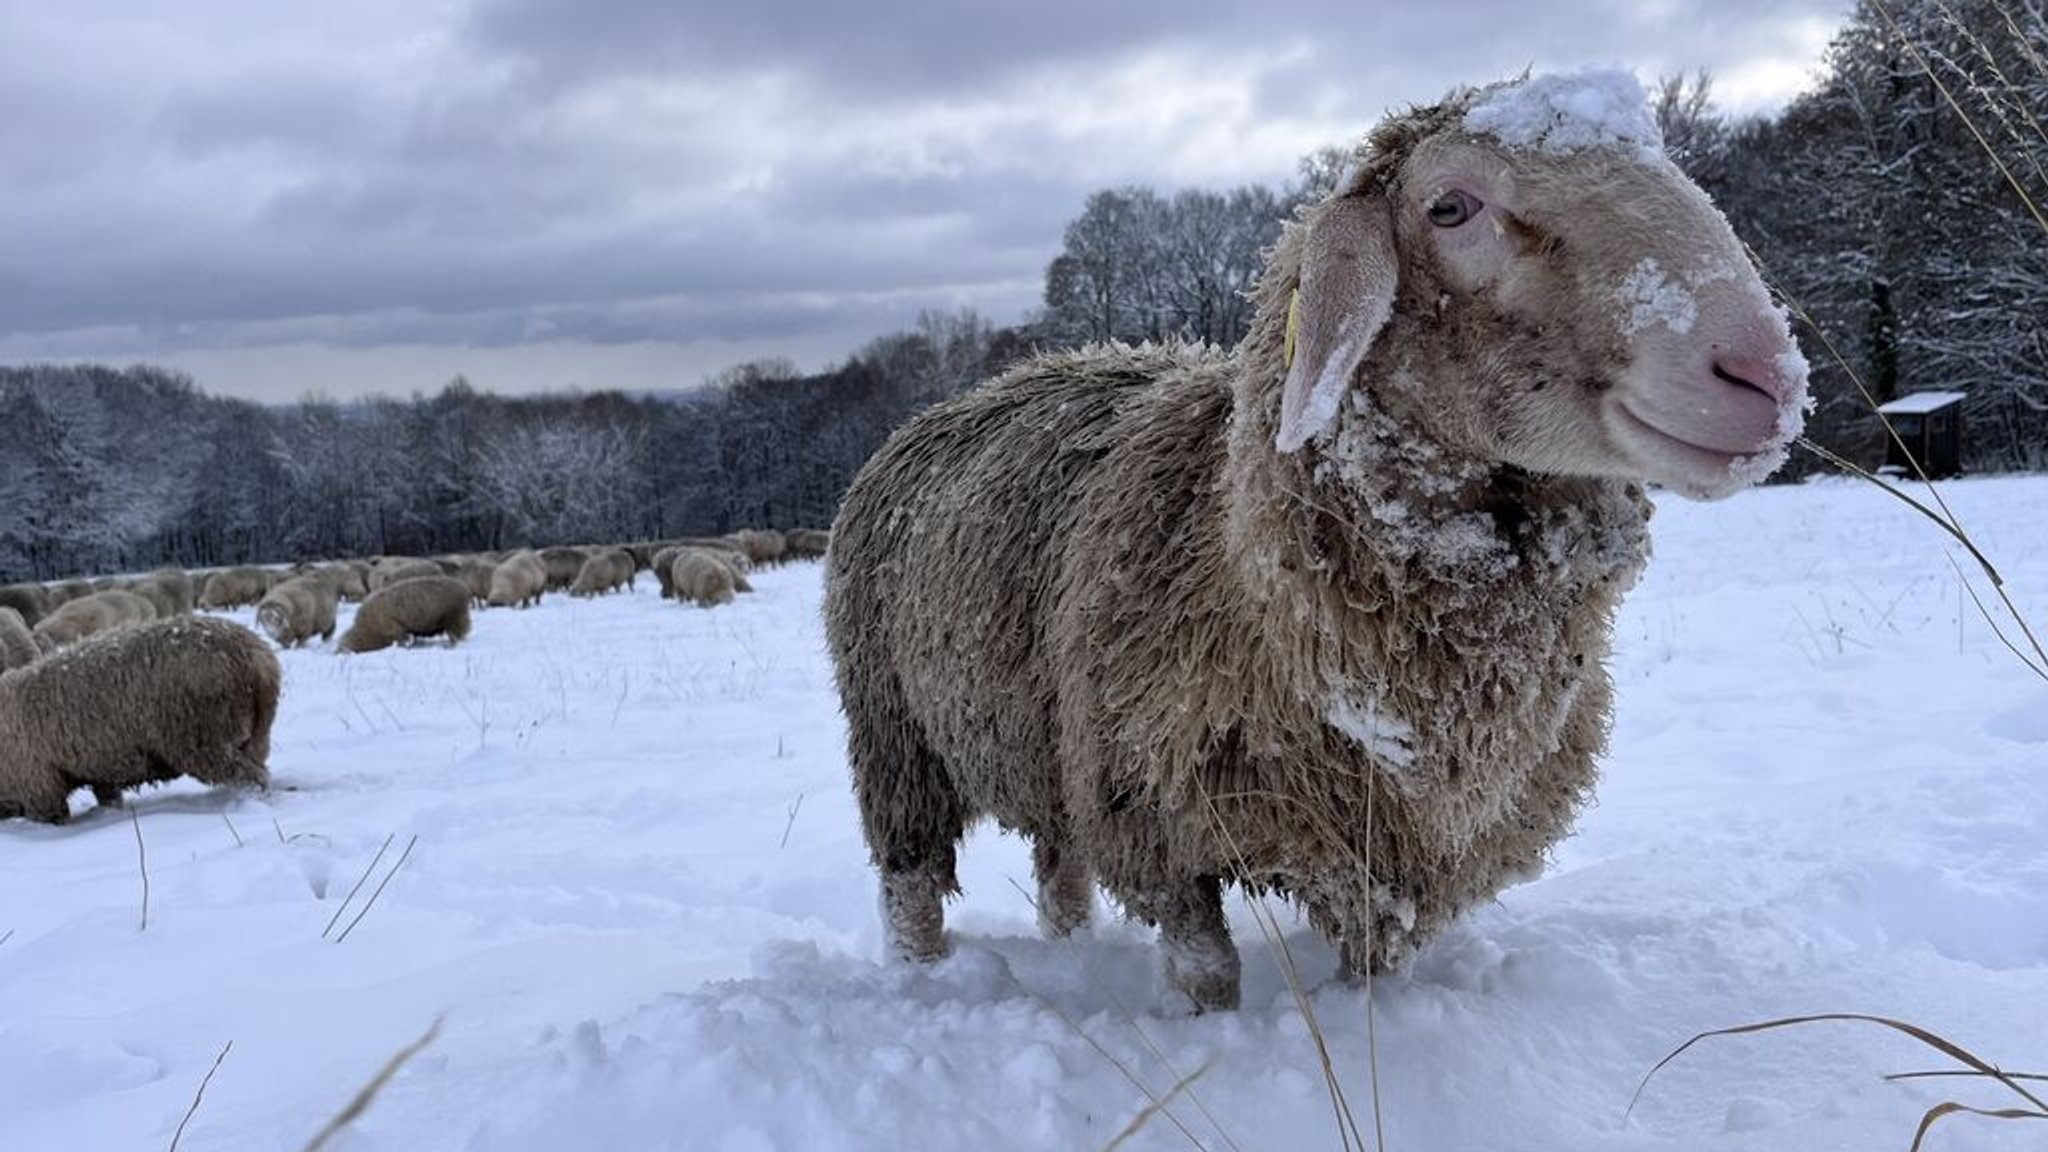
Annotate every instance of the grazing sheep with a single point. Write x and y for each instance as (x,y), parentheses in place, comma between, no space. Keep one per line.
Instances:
(69,590)
(476,572)
(391,572)
(760,545)
(563,566)
(606,571)
(737,557)
(409,610)
(74,620)
(234,587)
(169,591)
(18,647)
(664,563)
(701,578)
(181,697)
(299,609)
(807,543)
(519,580)
(32,601)
(643,552)
(1327,615)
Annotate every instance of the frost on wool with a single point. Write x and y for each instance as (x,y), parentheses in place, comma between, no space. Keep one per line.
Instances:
(1653,298)
(1590,108)
(1388,737)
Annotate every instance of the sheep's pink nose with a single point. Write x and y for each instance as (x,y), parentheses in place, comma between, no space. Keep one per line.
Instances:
(1756,373)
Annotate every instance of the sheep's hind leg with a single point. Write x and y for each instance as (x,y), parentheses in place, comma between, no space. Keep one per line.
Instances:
(1066,889)
(1194,940)
(914,820)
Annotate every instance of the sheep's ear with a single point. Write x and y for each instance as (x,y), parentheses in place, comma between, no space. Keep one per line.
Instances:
(1345,296)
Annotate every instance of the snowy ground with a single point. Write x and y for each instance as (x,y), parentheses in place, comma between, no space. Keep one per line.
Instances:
(639,896)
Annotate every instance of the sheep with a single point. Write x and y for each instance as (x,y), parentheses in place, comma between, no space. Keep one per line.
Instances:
(234,587)
(169,591)
(664,563)
(737,558)
(409,610)
(1326,615)
(807,543)
(391,571)
(760,545)
(519,580)
(476,572)
(18,647)
(69,590)
(180,697)
(563,566)
(74,620)
(32,601)
(300,609)
(605,571)
(700,577)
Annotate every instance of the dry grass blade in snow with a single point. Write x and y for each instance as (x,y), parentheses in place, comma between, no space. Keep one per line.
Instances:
(1973,1065)
(362,1100)
(199,1095)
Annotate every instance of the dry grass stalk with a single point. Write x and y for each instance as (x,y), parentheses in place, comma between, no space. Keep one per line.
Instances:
(379,890)
(1161,1102)
(360,881)
(1138,1122)
(368,1093)
(199,1095)
(2034,1108)
(231,829)
(142,863)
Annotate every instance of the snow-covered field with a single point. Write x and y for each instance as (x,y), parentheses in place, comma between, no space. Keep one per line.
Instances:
(639,896)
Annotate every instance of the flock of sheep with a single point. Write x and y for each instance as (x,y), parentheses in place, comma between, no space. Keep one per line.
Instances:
(114,683)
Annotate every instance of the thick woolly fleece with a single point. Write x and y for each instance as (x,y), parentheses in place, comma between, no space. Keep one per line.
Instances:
(1094,601)
(409,610)
(190,696)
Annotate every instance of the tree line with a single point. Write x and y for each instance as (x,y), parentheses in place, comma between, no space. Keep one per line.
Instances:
(1897,205)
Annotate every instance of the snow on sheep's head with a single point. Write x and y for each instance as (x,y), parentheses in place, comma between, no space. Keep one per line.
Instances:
(1569,301)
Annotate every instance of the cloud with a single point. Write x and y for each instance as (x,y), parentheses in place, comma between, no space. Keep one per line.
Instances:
(611,173)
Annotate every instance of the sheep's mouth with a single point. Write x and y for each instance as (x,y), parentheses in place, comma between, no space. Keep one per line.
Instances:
(1683,463)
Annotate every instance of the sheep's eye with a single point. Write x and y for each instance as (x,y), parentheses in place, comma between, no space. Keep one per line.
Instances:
(1453,208)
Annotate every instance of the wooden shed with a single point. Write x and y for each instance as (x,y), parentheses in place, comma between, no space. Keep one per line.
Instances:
(1931,425)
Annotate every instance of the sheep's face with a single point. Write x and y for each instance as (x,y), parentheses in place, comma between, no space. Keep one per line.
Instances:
(1598,313)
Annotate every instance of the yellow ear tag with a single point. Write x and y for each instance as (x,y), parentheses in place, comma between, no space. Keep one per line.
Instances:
(1293,324)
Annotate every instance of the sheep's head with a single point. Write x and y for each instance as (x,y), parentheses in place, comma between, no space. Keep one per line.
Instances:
(1522,274)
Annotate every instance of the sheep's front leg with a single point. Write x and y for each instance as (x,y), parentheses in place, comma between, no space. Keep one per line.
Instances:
(913,912)
(1194,940)
(107,795)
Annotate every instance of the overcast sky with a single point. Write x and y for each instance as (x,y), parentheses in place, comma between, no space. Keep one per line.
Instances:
(374,196)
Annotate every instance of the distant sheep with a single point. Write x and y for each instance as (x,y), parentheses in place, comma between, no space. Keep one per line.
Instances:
(69,590)
(18,647)
(664,564)
(391,572)
(182,697)
(409,610)
(32,601)
(476,572)
(1328,614)
(234,588)
(518,580)
(563,566)
(100,612)
(169,591)
(700,578)
(607,571)
(762,546)
(807,544)
(299,609)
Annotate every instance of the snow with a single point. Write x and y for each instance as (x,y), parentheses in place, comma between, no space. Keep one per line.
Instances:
(1652,299)
(1921,403)
(1384,734)
(1569,111)
(1827,791)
